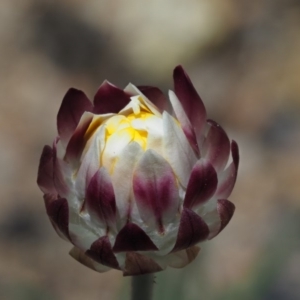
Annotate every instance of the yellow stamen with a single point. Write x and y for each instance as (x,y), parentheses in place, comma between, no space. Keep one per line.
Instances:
(122,125)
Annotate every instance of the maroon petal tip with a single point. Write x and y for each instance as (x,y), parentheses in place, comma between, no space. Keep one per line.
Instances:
(156,96)
(82,258)
(109,99)
(101,252)
(77,141)
(155,189)
(74,104)
(226,210)
(137,264)
(192,230)
(229,175)
(58,212)
(178,68)
(60,168)
(132,238)
(100,197)
(190,100)
(235,153)
(45,171)
(202,184)
(216,147)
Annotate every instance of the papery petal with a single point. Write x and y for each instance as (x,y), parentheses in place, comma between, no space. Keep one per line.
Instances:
(81,257)
(134,91)
(90,162)
(109,99)
(132,238)
(164,242)
(137,264)
(216,147)
(228,177)
(154,127)
(155,189)
(61,171)
(190,100)
(209,214)
(225,209)
(82,231)
(58,212)
(155,141)
(182,258)
(100,198)
(132,186)
(78,141)
(113,148)
(202,184)
(74,104)
(212,219)
(184,122)
(192,230)
(45,172)
(156,96)
(177,149)
(101,252)
(122,180)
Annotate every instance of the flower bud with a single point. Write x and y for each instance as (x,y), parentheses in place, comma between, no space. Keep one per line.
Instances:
(135,181)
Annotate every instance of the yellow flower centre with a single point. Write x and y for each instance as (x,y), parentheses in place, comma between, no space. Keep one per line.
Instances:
(132,128)
(116,132)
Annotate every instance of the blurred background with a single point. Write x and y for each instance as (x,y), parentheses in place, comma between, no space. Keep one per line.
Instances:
(244,59)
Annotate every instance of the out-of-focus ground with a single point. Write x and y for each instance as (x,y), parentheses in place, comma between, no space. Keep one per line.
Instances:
(244,59)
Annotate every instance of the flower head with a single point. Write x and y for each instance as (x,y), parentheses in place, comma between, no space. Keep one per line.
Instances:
(136,181)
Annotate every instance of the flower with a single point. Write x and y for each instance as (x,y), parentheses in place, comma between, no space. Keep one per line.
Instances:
(135,183)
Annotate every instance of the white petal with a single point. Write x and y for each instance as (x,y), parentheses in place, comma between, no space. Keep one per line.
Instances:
(138,124)
(154,124)
(185,122)
(156,190)
(132,89)
(81,257)
(154,127)
(155,142)
(82,232)
(210,216)
(179,111)
(182,258)
(90,162)
(122,179)
(177,149)
(164,242)
(113,148)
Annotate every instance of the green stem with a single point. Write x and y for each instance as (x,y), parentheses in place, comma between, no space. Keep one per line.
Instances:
(142,287)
